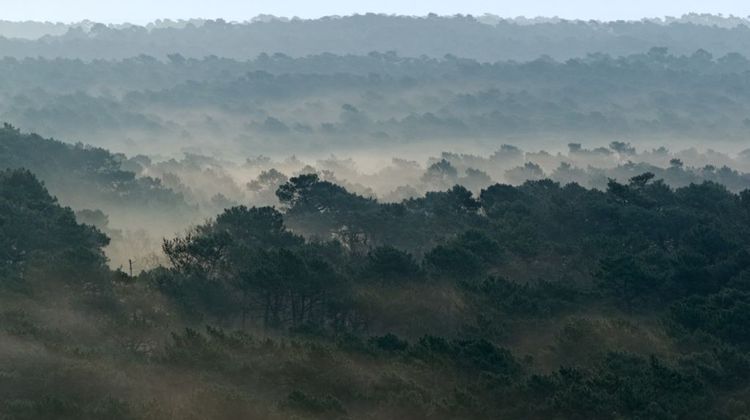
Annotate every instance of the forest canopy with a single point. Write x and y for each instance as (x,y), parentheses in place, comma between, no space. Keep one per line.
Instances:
(486,38)
(642,270)
(272,103)
(375,217)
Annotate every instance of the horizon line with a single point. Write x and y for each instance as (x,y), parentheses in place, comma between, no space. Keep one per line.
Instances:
(267,17)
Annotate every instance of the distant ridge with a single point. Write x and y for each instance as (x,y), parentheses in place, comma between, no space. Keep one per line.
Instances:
(486,37)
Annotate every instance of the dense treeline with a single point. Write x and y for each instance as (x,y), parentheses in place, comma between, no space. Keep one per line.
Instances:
(275,102)
(37,234)
(234,265)
(511,255)
(663,234)
(144,72)
(592,168)
(137,200)
(87,177)
(214,182)
(536,301)
(486,38)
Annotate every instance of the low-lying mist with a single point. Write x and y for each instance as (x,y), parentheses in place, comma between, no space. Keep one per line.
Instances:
(209,185)
(375,217)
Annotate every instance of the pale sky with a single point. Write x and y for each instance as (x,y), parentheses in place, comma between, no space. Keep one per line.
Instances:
(142,11)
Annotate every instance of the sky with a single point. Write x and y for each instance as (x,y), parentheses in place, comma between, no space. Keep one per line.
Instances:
(143,11)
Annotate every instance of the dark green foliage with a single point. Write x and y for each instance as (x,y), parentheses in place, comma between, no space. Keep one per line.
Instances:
(247,264)
(454,261)
(622,385)
(625,280)
(478,355)
(724,367)
(389,343)
(325,210)
(36,232)
(526,300)
(88,177)
(538,301)
(392,265)
(307,193)
(725,315)
(255,227)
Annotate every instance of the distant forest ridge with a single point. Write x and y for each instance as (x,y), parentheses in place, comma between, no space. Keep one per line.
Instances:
(485,38)
(275,102)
